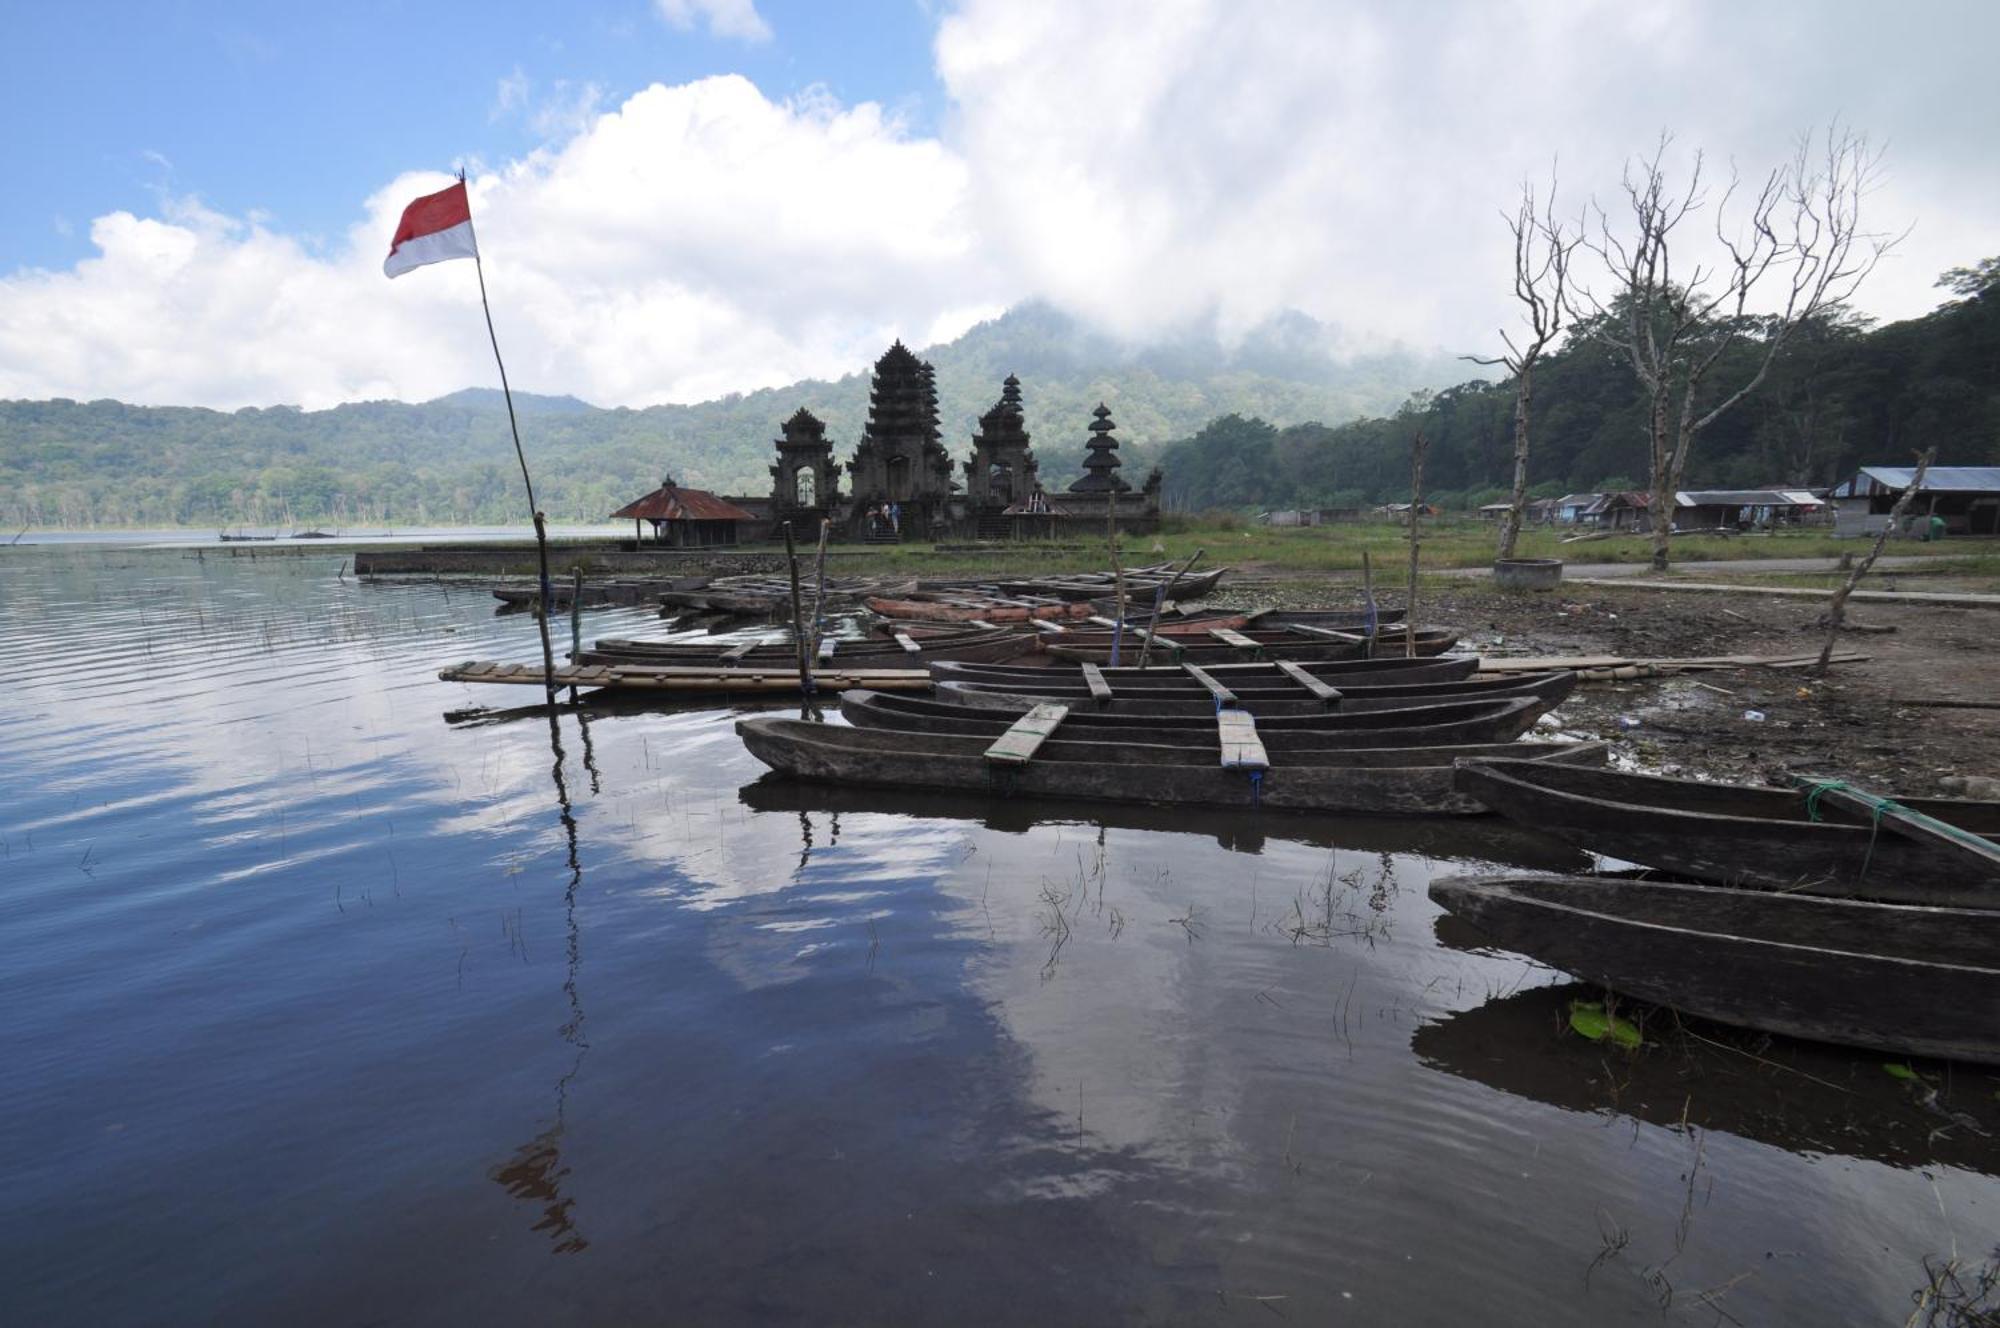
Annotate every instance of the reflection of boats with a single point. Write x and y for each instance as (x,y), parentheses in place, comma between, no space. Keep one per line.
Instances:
(312,534)
(1482,839)
(1894,977)
(1799,1096)
(228,538)
(1410,722)
(1737,835)
(1406,779)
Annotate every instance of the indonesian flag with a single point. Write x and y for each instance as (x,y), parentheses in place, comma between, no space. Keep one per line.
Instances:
(435,227)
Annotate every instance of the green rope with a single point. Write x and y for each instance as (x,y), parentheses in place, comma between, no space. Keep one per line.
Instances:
(1879,805)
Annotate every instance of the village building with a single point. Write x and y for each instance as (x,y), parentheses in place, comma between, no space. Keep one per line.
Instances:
(1570,507)
(1965,498)
(684,518)
(1535,512)
(1624,510)
(1744,509)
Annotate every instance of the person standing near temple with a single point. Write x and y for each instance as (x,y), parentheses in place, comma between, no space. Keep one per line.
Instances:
(896,519)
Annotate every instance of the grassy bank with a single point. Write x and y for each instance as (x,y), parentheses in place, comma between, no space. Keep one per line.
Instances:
(1447,542)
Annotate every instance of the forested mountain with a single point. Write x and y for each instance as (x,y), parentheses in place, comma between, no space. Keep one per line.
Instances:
(1840,395)
(450,460)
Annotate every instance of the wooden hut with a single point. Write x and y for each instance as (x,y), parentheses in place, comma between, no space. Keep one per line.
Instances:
(684,518)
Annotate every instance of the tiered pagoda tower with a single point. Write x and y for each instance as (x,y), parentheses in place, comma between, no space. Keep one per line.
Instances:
(1100,461)
(1001,473)
(901,458)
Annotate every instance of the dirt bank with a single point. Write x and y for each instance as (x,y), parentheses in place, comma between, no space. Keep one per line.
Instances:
(1849,724)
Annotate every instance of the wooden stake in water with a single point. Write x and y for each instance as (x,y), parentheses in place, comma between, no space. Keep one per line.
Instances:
(575,619)
(1418,446)
(1117,569)
(1159,598)
(819,588)
(804,647)
(1836,608)
(1368,600)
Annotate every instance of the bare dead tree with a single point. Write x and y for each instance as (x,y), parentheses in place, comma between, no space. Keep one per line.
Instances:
(1542,249)
(1836,608)
(1797,248)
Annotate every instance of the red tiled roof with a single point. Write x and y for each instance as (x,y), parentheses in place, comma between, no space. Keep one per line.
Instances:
(673,503)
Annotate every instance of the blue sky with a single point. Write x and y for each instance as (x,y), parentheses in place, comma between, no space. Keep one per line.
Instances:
(677,199)
(283,108)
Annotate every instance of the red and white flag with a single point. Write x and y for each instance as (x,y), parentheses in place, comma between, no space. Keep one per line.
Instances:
(435,227)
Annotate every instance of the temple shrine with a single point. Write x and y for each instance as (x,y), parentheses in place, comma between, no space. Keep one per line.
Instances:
(902,483)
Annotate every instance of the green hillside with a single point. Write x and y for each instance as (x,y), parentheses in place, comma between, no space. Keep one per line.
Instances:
(107,463)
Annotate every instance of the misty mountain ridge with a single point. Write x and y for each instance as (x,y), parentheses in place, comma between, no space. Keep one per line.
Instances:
(449,459)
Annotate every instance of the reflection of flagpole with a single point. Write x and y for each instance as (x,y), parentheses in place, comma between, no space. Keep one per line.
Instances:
(541,525)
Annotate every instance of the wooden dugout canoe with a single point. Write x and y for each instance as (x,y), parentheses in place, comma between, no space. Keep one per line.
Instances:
(1267,702)
(965,609)
(1340,673)
(846,652)
(1414,780)
(1431,641)
(1735,834)
(1897,978)
(1403,725)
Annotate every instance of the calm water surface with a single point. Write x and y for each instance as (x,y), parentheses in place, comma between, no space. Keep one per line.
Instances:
(317,1008)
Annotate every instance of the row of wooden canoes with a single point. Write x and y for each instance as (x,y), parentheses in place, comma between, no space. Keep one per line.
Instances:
(1843,919)
(1388,752)
(1193,639)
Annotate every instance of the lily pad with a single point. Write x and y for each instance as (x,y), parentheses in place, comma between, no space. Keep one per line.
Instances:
(1592,1020)
(1901,1072)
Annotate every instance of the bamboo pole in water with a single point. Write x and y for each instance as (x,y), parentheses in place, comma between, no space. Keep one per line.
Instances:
(1418,446)
(798,616)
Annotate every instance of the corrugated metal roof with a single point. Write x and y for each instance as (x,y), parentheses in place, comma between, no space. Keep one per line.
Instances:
(1744,498)
(1577,499)
(673,503)
(1938,479)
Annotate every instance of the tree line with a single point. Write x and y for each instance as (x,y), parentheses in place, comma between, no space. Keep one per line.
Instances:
(1839,393)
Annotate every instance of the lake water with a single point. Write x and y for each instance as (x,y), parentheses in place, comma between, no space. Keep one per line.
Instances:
(319,1009)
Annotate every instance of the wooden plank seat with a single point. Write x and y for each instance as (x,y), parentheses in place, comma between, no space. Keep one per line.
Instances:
(1229,636)
(904,640)
(1018,745)
(1223,696)
(1325,691)
(1242,749)
(1093,678)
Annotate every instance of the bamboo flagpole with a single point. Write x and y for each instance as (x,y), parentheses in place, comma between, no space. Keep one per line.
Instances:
(433,229)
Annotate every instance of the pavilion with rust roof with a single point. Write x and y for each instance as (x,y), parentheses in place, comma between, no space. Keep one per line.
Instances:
(684,518)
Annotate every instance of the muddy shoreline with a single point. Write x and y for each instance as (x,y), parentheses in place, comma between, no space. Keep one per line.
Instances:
(1850,723)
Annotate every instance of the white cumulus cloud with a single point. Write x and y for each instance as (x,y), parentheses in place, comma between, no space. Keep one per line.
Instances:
(723,18)
(1145,163)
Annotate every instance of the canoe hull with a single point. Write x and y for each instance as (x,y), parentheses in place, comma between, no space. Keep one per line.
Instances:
(1274,701)
(1740,836)
(1372,780)
(1891,978)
